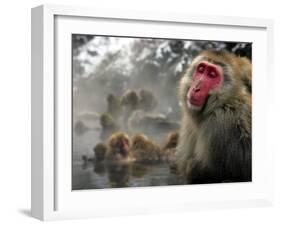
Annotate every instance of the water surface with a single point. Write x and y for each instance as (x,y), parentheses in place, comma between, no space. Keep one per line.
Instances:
(89,175)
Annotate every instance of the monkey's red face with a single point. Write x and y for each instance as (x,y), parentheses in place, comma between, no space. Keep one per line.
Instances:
(206,77)
(123,146)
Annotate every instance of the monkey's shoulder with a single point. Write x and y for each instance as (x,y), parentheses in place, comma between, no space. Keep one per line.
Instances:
(232,121)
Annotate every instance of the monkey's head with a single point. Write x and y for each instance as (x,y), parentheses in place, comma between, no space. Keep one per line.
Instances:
(130,98)
(119,143)
(100,151)
(106,120)
(212,79)
(147,100)
(139,141)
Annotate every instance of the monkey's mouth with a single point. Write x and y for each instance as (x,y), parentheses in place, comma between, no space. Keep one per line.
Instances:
(123,152)
(195,103)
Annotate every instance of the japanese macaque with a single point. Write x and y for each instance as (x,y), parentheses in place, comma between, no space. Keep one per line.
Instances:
(145,150)
(147,100)
(171,140)
(215,137)
(114,106)
(169,149)
(130,98)
(170,145)
(108,125)
(129,102)
(100,151)
(119,148)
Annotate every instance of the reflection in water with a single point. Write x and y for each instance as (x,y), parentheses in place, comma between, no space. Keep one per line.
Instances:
(99,168)
(88,174)
(118,175)
(139,170)
(92,175)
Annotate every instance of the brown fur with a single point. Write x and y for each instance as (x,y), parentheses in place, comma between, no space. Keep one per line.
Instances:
(100,151)
(129,102)
(130,99)
(147,100)
(171,140)
(114,106)
(144,150)
(116,153)
(108,124)
(170,145)
(215,143)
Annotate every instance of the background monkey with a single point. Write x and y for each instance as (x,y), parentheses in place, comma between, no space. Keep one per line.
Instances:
(100,152)
(114,106)
(170,145)
(215,137)
(129,102)
(108,125)
(118,148)
(144,150)
(147,100)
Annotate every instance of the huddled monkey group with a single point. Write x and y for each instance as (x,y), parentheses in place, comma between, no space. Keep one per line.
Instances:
(127,127)
(211,144)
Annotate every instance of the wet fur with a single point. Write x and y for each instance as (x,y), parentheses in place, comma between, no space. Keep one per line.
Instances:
(115,153)
(215,143)
(144,150)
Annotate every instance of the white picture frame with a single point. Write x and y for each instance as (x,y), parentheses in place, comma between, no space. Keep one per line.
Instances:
(52,197)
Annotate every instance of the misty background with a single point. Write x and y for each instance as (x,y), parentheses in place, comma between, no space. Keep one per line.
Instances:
(103,65)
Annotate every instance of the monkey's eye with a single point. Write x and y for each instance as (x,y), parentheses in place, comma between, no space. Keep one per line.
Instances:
(212,74)
(201,69)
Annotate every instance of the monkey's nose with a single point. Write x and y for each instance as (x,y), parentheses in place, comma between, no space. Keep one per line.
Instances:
(196,89)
